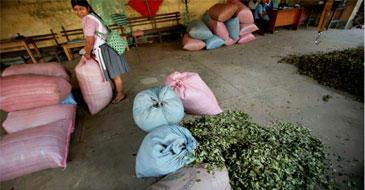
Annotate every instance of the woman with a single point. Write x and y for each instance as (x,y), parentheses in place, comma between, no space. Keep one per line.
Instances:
(95,47)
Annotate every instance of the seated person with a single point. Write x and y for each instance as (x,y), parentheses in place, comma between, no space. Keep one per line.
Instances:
(261,17)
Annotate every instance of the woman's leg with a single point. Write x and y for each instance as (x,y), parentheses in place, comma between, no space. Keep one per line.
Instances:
(118,83)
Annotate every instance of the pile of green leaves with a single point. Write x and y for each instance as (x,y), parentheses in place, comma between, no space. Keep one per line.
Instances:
(343,70)
(284,156)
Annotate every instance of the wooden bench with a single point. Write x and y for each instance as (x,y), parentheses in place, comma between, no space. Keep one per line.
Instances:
(28,43)
(154,22)
(71,43)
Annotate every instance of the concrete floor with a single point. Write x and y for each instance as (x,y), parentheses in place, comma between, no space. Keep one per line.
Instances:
(245,77)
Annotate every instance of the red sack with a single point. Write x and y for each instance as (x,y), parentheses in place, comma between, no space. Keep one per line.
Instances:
(48,69)
(34,149)
(192,44)
(222,12)
(19,92)
(30,118)
(141,7)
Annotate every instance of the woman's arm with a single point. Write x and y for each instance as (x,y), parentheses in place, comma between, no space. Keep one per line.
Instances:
(89,44)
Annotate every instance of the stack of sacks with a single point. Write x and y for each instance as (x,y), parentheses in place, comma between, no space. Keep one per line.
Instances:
(229,24)
(246,20)
(198,32)
(32,94)
(96,92)
(158,110)
(167,147)
(220,13)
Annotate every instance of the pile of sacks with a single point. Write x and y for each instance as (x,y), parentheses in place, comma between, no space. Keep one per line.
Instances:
(223,24)
(168,147)
(39,123)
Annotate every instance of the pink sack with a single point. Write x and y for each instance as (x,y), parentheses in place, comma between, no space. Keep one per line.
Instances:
(230,42)
(222,12)
(246,38)
(192,44)
(195,95)
(247,28)
(49,69)
(219,29)
(34,149)
(30,118)
(243,13)
(19,92)
(97,93)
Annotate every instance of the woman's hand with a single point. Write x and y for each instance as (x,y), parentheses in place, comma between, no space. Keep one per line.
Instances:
(87,56)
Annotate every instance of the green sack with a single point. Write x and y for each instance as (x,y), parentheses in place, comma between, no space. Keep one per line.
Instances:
(116,42)
(113,39)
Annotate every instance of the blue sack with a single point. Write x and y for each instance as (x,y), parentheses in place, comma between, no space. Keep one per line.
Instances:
(157,106)
(69,100)
(198,30)
(214,42)
(233,27)
(165,150)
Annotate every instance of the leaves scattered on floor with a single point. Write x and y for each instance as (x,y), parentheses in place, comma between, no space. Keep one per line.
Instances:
(342,69)
(284,156)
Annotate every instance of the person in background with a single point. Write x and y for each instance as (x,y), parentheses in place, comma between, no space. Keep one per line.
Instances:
(252,4)
(96,48)
(262,19)
(282,4)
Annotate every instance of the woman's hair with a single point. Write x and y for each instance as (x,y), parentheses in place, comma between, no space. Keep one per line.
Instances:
(84,3)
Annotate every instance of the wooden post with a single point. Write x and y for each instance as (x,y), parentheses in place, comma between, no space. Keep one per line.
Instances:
(54,37)
(353,14)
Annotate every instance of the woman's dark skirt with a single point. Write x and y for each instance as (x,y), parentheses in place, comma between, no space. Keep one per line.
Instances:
(115,64)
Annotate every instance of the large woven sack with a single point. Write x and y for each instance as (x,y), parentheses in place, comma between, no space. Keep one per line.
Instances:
(157,106)
(219,29)
(192,44)
(222,12)
(30,118)
(247,28)
(243,13)
(34,149)
(49,69)
(214,42)
(233,27)
(164,150)
(19,92)
(196,96)
(96,92)
(198,30)
(246,38)
(194,178)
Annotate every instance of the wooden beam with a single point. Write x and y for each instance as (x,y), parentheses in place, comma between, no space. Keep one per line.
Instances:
(353,14)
